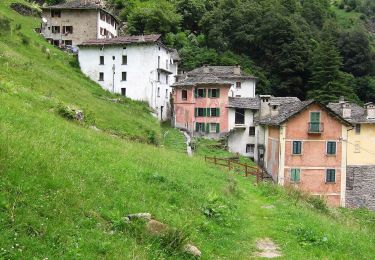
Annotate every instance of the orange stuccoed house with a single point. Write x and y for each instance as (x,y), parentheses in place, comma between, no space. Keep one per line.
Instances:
(305,145)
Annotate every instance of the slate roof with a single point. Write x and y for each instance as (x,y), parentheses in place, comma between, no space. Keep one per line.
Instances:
(201,79)
(175,55)
(277,101)
(81,4)
(358,113)
(78,4)
(152,38)
(247,103)
(221,71)
(288,110)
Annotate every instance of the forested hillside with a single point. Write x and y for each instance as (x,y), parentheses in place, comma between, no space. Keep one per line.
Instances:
(310,49)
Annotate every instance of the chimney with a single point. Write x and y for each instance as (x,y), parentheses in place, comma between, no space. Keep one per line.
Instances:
(265,105)
(370,110)
(237,70)
(346,110)
(206,69)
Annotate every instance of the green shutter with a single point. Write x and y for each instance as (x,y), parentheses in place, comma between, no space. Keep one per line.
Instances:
(217,111)
(209,93)
(331,175)
(195,92)
(203,127)
(217,128)
(331,148)
(208,112)
(297,147)
(218,92)
(204,111)
(195,112)
(295,175)
(315,117)
(196,127)
(204,92)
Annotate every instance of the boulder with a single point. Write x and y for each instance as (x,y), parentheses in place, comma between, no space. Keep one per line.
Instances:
(156,228)
(146,216)
(192,250)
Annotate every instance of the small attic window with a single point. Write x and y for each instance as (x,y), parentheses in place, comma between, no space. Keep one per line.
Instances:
(274,107)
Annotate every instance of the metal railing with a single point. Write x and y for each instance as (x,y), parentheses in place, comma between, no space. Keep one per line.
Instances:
(315,127)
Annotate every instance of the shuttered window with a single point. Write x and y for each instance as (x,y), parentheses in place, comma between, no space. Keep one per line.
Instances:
(213,112)
(200,127)
(295,175)
(331,148)
(213,93)
(200,112)
(331,175)
(251,131)
(297,147)
(200,93)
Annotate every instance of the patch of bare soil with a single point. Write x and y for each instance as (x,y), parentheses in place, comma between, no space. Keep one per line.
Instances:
(267,248)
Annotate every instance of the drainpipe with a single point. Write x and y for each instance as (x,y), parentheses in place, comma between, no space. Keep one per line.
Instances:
(113,78)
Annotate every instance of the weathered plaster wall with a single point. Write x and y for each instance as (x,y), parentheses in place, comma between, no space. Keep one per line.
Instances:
(365,140)
(247,88)
(273,146)
(84,24)
(314,161)
(360,186)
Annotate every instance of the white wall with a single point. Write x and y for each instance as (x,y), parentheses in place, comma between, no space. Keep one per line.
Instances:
(142,75)
(247,88)
(239,137)
(107,26)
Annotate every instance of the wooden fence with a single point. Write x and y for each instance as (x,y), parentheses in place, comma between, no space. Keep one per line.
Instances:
(236,166)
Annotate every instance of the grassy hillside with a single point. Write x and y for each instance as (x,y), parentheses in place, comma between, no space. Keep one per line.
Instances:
(65,187)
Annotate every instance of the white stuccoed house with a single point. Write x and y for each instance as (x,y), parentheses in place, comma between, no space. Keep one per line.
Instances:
(139,67)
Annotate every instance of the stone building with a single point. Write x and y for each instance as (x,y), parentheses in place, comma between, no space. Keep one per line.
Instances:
(73,22)
(360,184)
(139,67)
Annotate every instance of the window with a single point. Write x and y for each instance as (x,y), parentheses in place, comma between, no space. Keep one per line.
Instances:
(159,76)
(250,148)
(123,92)
(166,93)
(200,93)
(239,118)
(295,175)
(252,131)
(55,13)
(56,42)
(166,64)
(199,112)
(124,60)
(159,61)
(68,42)
(358,129)
(158,92)
(214,128)
(331,148)
(101,76)
(55,29)
(67,29)
(102,16)
(315,122)
(123,76)
(213,93)
(213,112)
(113,57)
(297,147)
(238,84)
(184,94)
(101,60)
(166,79)
(330,175)
(199,127)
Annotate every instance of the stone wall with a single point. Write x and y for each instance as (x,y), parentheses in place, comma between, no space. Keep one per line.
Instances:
(360,186)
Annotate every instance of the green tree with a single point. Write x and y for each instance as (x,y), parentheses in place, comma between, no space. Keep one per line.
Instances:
(192,12)
(327,82)
(160,17)
(356,51)
(365,88)
(316,11)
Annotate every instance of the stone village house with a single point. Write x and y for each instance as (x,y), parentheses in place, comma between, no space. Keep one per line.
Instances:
(73,22)
(139,67)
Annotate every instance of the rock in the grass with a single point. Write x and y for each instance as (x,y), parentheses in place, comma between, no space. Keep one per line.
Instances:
(156,228)
(79,115)
(146,216)
(193,250)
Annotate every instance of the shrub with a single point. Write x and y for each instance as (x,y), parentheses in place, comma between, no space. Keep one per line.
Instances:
(4,26)
(24,39)
(74,62)
(308,237)
(173,241)
(318,203)
(66,112)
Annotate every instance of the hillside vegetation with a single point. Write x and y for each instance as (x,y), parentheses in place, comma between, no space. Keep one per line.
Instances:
(65,187)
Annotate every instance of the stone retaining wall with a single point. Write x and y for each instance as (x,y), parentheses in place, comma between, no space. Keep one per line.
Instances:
(360,186)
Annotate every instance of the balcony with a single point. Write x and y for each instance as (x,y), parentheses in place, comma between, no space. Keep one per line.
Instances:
(315,128)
